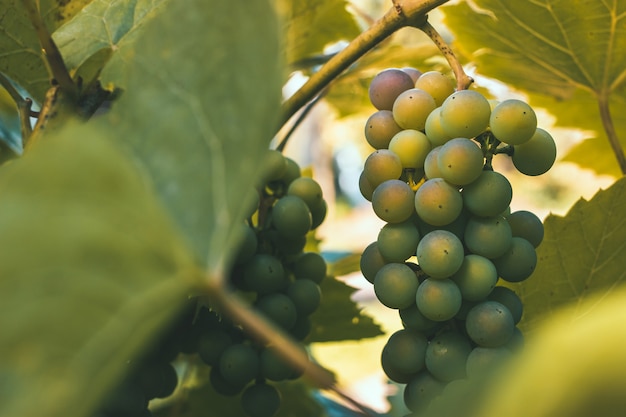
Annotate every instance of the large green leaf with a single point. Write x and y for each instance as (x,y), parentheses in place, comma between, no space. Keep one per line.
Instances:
(91,268)
(199,107)
(311,25)
(553,48)
(582,254)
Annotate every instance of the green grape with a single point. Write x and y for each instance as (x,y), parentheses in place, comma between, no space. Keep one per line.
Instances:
(411,146)
(301,329)
(222,386)
(387,85)
(513,122)
(466,306)
(371,261)
(446,356)
(406,350)
(308,190)
(460,161)
(311,266)
(395,285)
(438,299)
(421,390)
(274,368)
(291,217)
(536,156)
(465,114)
(518,262)
(286,245)
(397,242)
(274,165)
(365,187)
(291,173)
(279,308)
(260,400)
(437,202)
(412,107)
(488,236)
(483,360)
(489,324)
(413,319)
(380,128)
(457,226)
(382,165)
(476,277)
(306,296)
(239,364)
(395,373)
(434,130)
(393,201)
(438,85)
(440,254)
(212,343)
(318,214)
(526,225)
(264,274)
(249,245)
(489,195)
(509,299)
(431,166)
(413,72)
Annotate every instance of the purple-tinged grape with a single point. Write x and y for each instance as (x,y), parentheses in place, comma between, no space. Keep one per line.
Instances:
(393,201)
(387,85)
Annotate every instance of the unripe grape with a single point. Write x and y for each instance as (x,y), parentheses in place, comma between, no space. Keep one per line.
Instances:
(437,202)
(239,364)
(311,266)
(413,319)
(387,85)
(306,296)
(393,201)
(411,146)
(395,285)
(438,85)
(397,242)
(291,217)
(509,299)
(440,254)
(434,130)
(380,128)
(460,161)
(488,236)
(482,360)
(365,187)
(274,165)
(308,190)
(526,225)
(489,324)
(260,400)
(438,299)
(513,122)
(406,350)
(279,308)
(264,274)
(412,107)
(476,277)
(420,390)
(446,356)
(465,114)
(537,155)
(489,195)
(431,167)
(382,165)
(371,261)
(518,262)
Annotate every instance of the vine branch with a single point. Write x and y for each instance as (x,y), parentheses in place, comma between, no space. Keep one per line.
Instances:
(403,13)
(609,128)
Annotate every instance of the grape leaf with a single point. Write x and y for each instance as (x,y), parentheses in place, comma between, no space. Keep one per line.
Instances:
(197,111)
(92,268)
(582,254)
(562,49)
(311,25)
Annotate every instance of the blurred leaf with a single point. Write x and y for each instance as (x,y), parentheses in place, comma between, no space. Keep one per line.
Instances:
(551,48)
(574,366)
(582,255)
(338,318)
(92,267)
(58,12)
(105,25)
(198,111)
(311,25)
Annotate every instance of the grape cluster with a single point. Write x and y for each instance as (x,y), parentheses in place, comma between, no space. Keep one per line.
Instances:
(450,239)
(273,271)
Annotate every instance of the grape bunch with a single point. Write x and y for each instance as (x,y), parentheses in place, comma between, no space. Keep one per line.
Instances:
(281,279)
(450,240)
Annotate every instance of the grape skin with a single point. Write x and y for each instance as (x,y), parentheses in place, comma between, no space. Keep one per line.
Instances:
(488,236)
(526,225)
(397,242)
(412,107)
(380,128)
(460,161)
(411,146)
(465,114)
(489,324)
(489,195)
(393,201)
(518,262)
(395,285)
(446,356)
(387,85)
(536,156)
(437,202)
(513,122)
(438,299)
(440,254)
(476,278)
(382,165)
(438,85)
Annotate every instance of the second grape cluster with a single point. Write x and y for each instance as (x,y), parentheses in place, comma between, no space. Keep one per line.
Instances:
(450,239)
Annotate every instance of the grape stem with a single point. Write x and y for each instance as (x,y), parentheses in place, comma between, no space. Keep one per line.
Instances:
(403,13)
(463,81)
(609,128)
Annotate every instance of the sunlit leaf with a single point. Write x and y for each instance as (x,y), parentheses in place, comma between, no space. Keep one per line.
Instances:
(91,268)
(582,254)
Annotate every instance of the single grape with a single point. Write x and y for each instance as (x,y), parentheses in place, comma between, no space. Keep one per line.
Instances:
(411,146)
(413,72)
(291,217)
(264,274)
(318,214)
(223,386)
(291,173)
(260,400)
(397,242)
(393,201)
(412,107)
(488,236)
(431,166)
(394,372)
(421,390)
(482,360)
(239,364)
(274,165)
(387,85)
(434,130)
(489,195)
(440,254)
(438,85)
(536,156)
(308,190)
(311,266)
(437,202)
(382,165)
(513,122)
(465,114)
(489,324)
(365,187)
(518,262)
(509,299)
(380,128)
(406,350)
(395,285)
(306,296)
(460,161)
(438,299)
(371,261)
(446,356)
(476,277)
(278,308)
(526,225)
